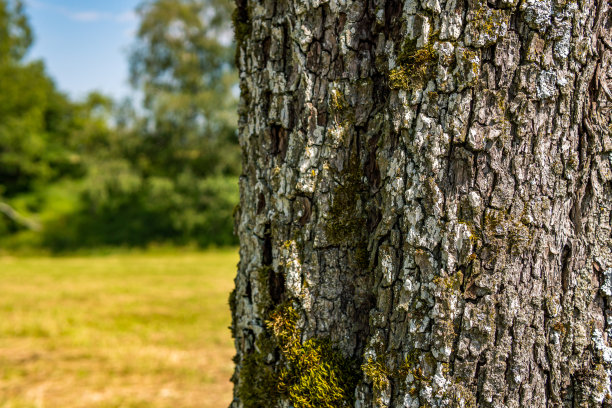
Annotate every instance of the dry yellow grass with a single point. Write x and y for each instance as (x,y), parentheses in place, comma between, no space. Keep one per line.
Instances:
(140,330)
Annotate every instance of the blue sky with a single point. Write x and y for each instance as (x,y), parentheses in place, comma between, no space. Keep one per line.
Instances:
(84,43)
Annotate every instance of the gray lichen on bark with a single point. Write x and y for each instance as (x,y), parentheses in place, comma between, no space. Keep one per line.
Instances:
(429,185)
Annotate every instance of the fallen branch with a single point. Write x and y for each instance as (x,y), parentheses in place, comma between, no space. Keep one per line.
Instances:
(12,214)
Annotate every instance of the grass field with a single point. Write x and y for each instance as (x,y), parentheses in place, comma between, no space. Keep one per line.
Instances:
(132,330)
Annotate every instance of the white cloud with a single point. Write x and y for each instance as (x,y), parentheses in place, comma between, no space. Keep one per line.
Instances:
(88,16)
(126,17)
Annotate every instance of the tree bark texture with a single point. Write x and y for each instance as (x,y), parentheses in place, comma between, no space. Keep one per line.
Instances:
(426,204)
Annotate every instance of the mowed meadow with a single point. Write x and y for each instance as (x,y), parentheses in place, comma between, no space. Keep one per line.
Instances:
(128,330)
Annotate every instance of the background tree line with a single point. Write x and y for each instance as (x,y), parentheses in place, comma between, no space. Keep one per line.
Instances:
(99,172)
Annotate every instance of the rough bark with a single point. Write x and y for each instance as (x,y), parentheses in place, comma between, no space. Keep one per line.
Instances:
(426,204)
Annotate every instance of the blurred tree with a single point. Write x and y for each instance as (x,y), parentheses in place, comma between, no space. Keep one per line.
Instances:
(15,31)
(100,173)
(45,138)
(183,64)
(34,118)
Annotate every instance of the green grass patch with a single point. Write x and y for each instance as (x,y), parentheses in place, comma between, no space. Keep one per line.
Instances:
(124,330)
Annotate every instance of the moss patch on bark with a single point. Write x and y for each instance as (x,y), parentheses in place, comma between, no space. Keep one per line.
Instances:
(346,219)
(312,374)
(414,65)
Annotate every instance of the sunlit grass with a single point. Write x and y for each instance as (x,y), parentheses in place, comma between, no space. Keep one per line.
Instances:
(130,330)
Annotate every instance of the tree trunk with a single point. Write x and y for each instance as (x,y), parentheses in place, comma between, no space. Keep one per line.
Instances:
(426,204)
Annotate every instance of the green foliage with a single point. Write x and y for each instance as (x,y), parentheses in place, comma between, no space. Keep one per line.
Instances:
(119,206)
(34,121)
(181,48)
(183,64)
(96,172)
(15,31)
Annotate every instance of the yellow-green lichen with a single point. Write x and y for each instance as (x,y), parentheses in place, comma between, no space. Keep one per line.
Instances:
(458,396)
(413,66)
(502,224)
(380,376)
(486,26)
(559,327)
(449,283)
(455,395)
(337,101)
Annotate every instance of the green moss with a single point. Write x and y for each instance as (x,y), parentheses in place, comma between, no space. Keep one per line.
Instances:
(409,363)
(362,257)
(318,376)
(242,26)
(283,324)
(412,366)
(264,301)
(258,382)
(232,301)
(258,385)
(310,375)
(377,372)
(380,376)
(315,374)
(413,66)
(494,222)
(347,223)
